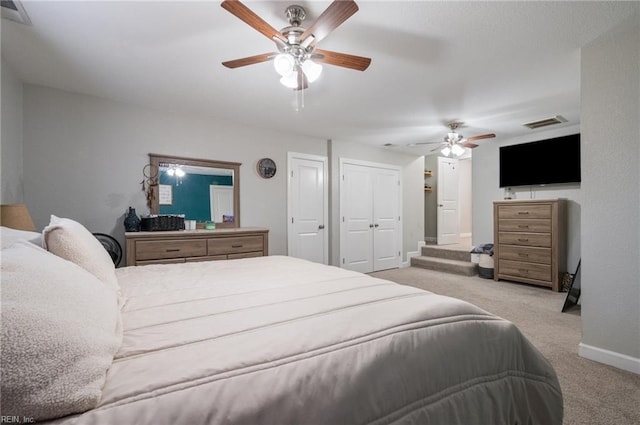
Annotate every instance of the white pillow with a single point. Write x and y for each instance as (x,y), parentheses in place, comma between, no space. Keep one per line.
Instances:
(72,241)
(8,236)
(60,330)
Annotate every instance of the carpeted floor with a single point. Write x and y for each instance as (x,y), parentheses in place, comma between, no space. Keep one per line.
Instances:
(593,393)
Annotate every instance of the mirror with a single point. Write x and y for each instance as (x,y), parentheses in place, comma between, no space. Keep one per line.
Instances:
(201,189)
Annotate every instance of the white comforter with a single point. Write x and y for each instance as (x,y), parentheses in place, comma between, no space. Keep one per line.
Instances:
(276,340)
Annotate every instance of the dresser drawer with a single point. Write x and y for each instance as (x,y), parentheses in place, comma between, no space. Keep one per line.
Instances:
(524,211)
(525,239)
(165,261)
(245,255)
(541,225)
(160,249)
(528,254)
(233,245)
(540,272)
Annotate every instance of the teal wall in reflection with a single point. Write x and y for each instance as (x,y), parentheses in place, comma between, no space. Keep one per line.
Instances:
(191,197)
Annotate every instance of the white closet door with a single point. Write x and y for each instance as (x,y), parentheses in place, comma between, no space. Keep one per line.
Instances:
(370,227)
(357,199)
(386,199)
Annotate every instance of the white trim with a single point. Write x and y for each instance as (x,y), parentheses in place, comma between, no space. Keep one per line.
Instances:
(465,235)
(611,358)
(325,214)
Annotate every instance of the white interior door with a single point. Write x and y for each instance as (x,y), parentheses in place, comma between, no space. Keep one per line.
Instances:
(386,218)
(448,203)
(357,218)
(221,198)
(370,211)
(308,207)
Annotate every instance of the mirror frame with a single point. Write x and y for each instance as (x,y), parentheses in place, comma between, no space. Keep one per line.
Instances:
(155,160)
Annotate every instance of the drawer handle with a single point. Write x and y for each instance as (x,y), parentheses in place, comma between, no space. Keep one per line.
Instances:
(523,226)
(523,240)
(236,246)
(523,212)
(173,249)
(523,255)
(525,271)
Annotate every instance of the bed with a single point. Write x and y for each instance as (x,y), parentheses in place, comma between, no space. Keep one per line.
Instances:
(279,340)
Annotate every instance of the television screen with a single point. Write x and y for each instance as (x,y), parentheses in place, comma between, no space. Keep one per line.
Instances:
(547,161)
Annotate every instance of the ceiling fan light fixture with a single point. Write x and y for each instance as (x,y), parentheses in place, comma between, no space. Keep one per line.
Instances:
(457,150)
(284,64)
(290,81)
(312,70)
(446,151)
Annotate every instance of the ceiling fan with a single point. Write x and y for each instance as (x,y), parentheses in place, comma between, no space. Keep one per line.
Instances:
(454,143)
(297,59)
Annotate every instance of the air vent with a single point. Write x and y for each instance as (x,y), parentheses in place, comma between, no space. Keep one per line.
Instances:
(545,122)
(14,11)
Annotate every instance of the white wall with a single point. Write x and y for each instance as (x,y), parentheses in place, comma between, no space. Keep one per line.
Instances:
(485,172)
(11,138)
(465,178)
(83,159)
(611,197)
(412,191)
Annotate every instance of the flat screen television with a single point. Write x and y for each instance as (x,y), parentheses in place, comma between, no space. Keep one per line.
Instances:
(543,162)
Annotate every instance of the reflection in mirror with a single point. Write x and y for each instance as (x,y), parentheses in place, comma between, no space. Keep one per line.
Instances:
(202,190)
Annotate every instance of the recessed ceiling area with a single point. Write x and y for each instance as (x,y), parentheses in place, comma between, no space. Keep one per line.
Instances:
(492,65)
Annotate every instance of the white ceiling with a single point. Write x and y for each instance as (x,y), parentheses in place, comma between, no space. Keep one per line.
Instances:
(492,65)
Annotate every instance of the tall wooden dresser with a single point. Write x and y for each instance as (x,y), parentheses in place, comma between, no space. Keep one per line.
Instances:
(530,241)
(195,245)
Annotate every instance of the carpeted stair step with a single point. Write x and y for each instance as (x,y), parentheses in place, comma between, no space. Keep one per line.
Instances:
(465,268)
(449,254)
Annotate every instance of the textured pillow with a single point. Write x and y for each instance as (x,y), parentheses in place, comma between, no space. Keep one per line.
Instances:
(60,330)
(72,241)
(8,236)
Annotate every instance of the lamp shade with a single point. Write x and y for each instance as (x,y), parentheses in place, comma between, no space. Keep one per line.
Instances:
(16,216)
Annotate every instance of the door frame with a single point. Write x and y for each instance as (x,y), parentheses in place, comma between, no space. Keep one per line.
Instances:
(357,162)
(291,156)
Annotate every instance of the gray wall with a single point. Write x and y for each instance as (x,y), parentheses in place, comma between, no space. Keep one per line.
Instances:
(83,159)
(11,138)
(611,196)
(486,189)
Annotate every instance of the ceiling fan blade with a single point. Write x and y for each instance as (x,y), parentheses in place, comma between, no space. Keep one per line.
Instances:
(334,15)
(246,15)
(438,147)
(469,145)
(480,137)
(237,63)
(344,60)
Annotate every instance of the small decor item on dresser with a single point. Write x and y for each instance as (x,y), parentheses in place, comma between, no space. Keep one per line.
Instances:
(166,222)
(131,221)
(210,225)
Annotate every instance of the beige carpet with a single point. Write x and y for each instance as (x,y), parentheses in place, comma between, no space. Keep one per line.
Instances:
(593,393)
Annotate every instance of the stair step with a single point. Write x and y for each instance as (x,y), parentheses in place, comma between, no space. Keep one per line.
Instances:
(450,254)
(465,268)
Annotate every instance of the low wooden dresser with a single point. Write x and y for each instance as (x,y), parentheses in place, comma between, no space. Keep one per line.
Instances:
(529,241)
(195,245)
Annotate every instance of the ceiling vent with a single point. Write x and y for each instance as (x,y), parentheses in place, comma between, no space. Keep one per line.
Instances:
(545,122)
(14,11)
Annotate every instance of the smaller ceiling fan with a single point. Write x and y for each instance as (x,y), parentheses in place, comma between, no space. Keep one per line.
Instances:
(454,143)
(297,59)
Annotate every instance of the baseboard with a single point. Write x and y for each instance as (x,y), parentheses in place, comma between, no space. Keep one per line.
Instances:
(611,358)
(409,255)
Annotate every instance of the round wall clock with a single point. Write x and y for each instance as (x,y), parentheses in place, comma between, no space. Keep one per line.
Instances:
(266,168)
